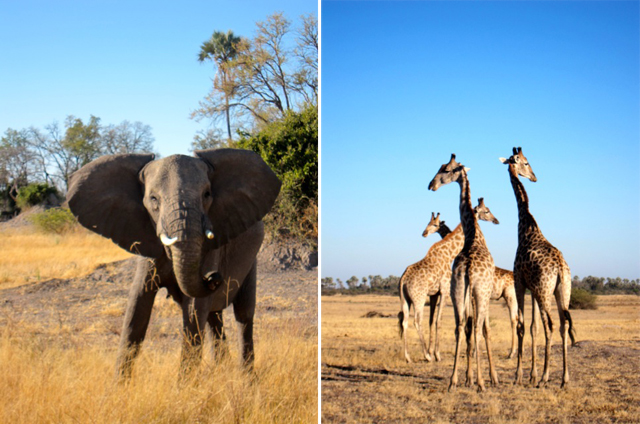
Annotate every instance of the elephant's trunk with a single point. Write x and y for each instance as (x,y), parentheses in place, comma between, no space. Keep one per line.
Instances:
(186,267)
(182,230)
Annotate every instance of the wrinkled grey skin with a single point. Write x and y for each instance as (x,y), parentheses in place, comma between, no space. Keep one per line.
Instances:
(163,211)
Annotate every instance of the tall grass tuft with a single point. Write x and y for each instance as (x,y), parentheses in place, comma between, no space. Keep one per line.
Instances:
(54,220)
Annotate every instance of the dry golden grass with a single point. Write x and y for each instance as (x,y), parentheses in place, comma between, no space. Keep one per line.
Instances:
(42,380)
(28,256)
(365,378)
(58,348)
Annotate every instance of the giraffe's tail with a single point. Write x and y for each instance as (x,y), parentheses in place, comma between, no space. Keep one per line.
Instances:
(565,294)
(405,304)
(572,331)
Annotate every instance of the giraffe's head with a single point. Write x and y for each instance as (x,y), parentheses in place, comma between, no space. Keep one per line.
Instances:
(519,163)
(448,173)
(434,225)
(483,213)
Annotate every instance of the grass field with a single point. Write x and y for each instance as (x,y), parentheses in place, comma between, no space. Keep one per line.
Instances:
(58,354)
(365,378)
(29,256)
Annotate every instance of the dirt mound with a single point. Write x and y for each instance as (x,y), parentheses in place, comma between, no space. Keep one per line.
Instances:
(24,218)
(284,256)
(376,314)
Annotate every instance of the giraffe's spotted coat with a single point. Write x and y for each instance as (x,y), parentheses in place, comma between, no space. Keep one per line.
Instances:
(541,268)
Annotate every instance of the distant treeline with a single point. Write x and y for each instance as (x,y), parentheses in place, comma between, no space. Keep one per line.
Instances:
(376,284)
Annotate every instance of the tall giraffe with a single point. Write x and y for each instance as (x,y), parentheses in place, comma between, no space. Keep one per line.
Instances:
(472,277)
(541,268)
(503,284)
(431,277)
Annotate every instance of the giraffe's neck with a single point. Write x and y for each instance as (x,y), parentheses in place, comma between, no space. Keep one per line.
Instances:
(444,230)
(467,216)
(526,222)
(450,245)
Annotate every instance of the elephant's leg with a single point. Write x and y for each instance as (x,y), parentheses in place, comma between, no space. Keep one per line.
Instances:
(195,312)
(215,331)
(136,320)
(244,307)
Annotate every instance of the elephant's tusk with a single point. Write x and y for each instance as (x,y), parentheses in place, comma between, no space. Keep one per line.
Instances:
(166,240)
(209,234)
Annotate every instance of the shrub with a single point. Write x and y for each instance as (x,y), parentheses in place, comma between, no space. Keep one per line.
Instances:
(290,147)
(54,220)
(34,194)
(582,299)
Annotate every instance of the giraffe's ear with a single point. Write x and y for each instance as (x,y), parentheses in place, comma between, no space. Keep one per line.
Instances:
(503,160)
(467,169)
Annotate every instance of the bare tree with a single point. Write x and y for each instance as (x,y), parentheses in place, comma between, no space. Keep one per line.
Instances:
(127,138)
(306,78)
(267,75)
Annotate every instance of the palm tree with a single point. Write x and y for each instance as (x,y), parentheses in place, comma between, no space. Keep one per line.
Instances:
(221,48)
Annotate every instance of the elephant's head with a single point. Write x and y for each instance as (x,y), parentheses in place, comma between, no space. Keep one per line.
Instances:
(180,206)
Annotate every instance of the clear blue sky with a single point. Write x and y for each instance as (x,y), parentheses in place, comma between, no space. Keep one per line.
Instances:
(118,60)
(405,84)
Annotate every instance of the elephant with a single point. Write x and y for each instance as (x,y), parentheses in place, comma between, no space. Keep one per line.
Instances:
(195,223)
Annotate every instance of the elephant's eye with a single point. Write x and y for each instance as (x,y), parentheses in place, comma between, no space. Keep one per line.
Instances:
(154,201)
(207,194)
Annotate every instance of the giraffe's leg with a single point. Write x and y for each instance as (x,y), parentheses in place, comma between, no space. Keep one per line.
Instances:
(441,305)
(480,318)
(520,290)
(468,331)
(458,290)
(419,313)
(459,328)
(512,305)
(433,305)
(486,331)
(535,312)
(547,323)
(564,332)
(404,324)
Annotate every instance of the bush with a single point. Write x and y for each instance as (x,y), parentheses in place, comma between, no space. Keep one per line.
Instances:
(54,220)
(582,299)
(290,147)
(34,194)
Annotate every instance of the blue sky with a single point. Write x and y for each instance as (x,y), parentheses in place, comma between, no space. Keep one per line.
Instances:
(405,84)
(118,60)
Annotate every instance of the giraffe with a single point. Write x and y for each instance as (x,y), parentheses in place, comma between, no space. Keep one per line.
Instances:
(471,280)
(541,268)
(430,277)
(503,285)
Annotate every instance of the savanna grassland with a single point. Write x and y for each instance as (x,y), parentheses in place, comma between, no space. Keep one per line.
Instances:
(365,378)
(62,301)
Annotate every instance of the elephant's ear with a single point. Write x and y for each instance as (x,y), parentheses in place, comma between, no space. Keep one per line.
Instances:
(243,190)
(106,197)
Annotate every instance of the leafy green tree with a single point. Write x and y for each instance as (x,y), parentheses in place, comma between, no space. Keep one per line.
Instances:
(35,194)
(327,283)
(16,162)
(352,283)
(290,147)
